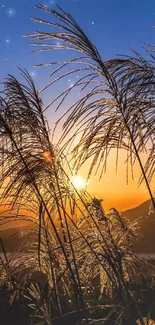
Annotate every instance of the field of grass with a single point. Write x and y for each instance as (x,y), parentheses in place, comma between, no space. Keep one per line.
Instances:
(76,264)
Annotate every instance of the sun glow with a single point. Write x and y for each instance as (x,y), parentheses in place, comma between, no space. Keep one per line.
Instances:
(78,182)
(47,156)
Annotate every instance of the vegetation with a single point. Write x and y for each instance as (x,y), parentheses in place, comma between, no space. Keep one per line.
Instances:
(77,263)
(117,110)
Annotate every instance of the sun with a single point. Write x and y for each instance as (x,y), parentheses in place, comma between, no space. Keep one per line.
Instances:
(78,182)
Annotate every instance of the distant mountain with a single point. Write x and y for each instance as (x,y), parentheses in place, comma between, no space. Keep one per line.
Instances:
(145,242)
(141,210)
(11,238)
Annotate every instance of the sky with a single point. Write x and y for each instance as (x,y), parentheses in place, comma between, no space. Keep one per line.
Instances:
(115,27)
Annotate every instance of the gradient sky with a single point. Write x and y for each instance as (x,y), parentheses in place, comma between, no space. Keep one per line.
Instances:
(114,26)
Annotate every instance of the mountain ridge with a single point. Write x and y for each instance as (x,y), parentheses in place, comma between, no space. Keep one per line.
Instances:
(146,237)
(144,243)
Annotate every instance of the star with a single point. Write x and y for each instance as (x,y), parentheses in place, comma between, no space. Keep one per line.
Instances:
(33,74)
(71,83)
(52,3)
(11,12)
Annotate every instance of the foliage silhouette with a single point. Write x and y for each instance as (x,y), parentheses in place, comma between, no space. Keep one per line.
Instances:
(117,108)
(77,260)
(74,245)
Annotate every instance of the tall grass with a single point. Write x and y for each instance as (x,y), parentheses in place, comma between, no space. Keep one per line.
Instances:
(109,271)
(77,263)
(117,106)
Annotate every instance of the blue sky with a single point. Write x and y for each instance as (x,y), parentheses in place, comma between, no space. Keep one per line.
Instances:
(113,25)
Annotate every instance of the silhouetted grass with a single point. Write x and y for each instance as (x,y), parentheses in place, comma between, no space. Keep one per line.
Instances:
(77,263)
(116,110)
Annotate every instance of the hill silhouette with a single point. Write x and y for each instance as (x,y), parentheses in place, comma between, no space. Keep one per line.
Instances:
(144,243)
(12,238)
(146,239)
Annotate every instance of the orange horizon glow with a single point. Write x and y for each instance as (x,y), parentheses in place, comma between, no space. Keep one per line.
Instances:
(112,187)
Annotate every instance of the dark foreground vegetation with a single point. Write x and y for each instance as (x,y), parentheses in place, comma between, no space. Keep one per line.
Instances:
(77,264)
(108,280)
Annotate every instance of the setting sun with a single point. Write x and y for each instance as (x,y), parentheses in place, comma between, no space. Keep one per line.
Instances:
(77,162)
(78,182)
